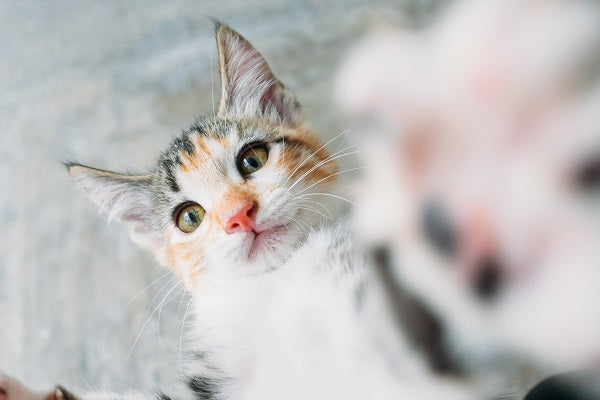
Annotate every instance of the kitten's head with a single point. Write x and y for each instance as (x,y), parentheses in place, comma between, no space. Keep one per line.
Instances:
(484,172)
(229,197)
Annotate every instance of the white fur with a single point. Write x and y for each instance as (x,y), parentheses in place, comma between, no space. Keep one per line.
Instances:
(504,97)
(297,333)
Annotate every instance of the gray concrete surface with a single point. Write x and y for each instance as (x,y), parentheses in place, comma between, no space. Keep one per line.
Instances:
(110,83)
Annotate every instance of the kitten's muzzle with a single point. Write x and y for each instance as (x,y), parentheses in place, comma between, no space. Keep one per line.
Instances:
(244,219)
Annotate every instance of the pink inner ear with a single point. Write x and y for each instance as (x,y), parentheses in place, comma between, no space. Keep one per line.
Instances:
(246,68)
(269,97)
(140,224)
(275,96)
(245,63)
(252,86)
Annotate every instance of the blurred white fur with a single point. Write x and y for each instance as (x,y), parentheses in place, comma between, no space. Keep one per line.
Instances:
(491,112)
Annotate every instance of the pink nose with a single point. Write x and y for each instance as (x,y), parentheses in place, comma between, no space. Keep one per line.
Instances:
(243,219)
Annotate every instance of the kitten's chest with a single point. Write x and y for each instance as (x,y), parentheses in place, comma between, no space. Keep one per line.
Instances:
(229,319)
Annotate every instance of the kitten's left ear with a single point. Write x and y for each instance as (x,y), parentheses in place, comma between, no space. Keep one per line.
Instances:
(126,198)
(249,88)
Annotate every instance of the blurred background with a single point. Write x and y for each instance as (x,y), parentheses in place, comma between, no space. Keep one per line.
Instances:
(110,84)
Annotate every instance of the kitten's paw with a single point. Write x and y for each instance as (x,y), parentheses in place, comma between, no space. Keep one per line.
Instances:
(12,389)
(60,393)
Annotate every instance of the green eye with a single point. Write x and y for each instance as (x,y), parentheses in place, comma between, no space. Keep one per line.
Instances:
(189,217)
(252,159)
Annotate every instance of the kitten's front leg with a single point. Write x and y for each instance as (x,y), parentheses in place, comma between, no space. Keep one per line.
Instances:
(12,389)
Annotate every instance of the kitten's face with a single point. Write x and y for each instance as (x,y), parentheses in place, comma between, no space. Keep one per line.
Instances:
(231,196)
(246,178)
(491,179)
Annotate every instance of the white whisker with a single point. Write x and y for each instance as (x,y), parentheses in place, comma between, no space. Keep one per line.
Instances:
(187,309)
(294,220)
(315,211)
(343,143)
(158,325)
(322,162)
(137,338)
(160,291)
(319,149)
(212,81)
(329,176)
(302,201)
(328,159)
(146,288)
(327,194)
(282,149)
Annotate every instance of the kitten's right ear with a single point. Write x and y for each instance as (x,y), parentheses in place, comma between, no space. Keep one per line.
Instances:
(249,88)
(126,198)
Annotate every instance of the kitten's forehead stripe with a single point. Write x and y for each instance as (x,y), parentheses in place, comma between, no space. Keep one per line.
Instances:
(168,166)
(192,140)
(201,143)
(184,144)
(225,141)
(197,129)
(190,162)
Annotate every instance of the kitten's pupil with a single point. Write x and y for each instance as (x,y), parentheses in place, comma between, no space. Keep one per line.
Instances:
(252,162)
(189,217)
(252,159)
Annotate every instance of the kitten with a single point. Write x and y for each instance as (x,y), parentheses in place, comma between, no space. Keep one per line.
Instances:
(223,200)
(483,173)
(229,201)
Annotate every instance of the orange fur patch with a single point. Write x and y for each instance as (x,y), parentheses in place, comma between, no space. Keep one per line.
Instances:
(181,257)
(200,155)
(235,195)
(200,142)
(189,162)
(225,141)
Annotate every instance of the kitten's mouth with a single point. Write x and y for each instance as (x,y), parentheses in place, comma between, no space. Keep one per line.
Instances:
(261,238)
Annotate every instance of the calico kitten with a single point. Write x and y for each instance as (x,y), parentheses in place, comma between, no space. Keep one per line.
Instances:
(482,177)
(223,200)
(229,201)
